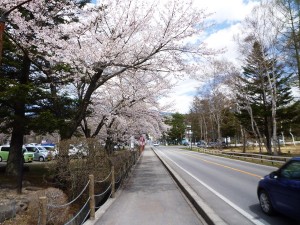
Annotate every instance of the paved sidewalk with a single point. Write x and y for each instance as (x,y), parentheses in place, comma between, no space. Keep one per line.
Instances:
(149,197)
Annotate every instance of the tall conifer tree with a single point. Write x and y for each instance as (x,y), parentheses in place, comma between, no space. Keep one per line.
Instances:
(255,96)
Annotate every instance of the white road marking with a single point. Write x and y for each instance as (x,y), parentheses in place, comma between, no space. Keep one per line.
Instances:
(237,208)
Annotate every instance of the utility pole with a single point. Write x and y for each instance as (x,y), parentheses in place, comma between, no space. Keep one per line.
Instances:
(2,24)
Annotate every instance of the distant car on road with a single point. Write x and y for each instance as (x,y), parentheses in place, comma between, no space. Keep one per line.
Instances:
(280,190)
(156,144)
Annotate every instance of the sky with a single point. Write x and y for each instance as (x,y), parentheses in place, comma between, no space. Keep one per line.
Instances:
(227,15)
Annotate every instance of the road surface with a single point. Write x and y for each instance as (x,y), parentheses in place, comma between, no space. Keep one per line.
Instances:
(228,186)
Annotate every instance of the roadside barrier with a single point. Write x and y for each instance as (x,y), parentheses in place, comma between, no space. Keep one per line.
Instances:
(250,156)
(92,203)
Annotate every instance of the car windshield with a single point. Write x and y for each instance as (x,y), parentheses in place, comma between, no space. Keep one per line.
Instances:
(292,170)
(30,149)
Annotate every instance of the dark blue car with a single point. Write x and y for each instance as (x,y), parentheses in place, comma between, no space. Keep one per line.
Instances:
(280,190)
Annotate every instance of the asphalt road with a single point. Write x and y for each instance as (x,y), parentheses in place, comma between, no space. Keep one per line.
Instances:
(228,186)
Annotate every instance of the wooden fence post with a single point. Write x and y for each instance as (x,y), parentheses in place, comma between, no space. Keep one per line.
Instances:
(133,158)
(92,196)
(113,190)
(124,170)
(43,204)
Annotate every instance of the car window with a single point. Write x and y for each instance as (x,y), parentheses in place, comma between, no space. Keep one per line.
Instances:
(291,171)
(30,149)
(5,149)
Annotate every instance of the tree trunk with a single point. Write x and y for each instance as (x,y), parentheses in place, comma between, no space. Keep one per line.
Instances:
(15,160)
(274,123)
(219,132)
(109,146)
(267,135)
(100,125)
(243,138)
(254,127)
(205,130)
(67,131)
(14,167)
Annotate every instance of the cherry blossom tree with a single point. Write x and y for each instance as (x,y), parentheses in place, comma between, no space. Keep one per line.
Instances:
(94,44)
(124,103)
(3,20)
(115,37)
(130,36)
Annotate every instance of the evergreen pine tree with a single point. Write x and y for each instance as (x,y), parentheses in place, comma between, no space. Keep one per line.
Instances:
(177,131)
(26,101)
(255,94)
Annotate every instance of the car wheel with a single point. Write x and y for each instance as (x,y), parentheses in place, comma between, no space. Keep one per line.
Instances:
(0,159)
(265,203)
(41,159)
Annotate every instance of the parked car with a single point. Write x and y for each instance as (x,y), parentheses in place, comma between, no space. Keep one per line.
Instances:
(52,149)
(201,144)
(78,151)
(280,190)
(185,143)
(39,153)
(213,144)
(4,152)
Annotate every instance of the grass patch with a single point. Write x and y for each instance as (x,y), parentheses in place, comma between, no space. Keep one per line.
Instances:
(34,174)
(287,150)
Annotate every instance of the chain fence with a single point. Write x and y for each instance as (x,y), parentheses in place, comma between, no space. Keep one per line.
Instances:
(110,184)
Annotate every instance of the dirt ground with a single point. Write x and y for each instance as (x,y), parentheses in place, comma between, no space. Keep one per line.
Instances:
(8,195)
(32,183)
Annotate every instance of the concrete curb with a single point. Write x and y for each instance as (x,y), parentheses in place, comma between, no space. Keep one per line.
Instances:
(203,209)
(100,212)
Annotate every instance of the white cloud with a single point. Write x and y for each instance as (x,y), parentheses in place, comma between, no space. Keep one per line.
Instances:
(224,39)
(229,10)
(181,96)
(227,17)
